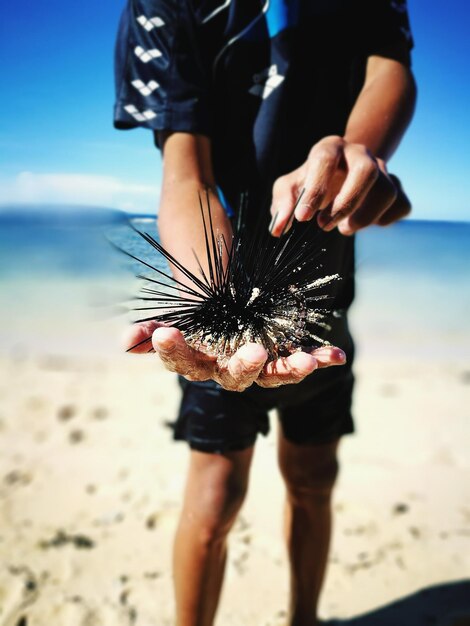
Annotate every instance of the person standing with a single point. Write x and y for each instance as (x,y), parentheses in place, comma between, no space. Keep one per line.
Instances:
(272,97)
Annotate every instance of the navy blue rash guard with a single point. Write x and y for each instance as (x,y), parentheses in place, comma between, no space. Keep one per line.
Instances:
(265,80)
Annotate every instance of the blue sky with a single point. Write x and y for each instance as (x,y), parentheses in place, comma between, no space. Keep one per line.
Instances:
(57,142)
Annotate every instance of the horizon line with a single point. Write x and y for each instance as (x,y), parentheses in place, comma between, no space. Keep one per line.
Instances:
(54,206)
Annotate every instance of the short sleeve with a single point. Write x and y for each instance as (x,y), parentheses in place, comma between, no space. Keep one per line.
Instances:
(385,23)
(159,76)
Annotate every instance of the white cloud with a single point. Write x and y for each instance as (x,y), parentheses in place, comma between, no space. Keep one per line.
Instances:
(83,189)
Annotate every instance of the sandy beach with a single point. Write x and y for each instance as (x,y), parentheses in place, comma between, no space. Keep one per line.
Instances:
(91,484)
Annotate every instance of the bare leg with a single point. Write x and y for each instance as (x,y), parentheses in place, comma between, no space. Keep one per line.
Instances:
(215,490)
(309,473)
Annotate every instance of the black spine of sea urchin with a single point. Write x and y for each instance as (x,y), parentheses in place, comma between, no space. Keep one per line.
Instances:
(257,289)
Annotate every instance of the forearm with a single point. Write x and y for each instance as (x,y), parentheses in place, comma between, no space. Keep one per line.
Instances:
(186,174)
(384,107)
(181,228)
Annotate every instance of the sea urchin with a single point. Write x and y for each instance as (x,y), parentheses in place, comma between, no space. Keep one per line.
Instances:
(257,289)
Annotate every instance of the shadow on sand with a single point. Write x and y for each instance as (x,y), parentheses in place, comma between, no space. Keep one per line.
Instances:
(441,605)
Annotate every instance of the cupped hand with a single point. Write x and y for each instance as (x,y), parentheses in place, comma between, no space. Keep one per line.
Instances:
(344,185)
(247,366)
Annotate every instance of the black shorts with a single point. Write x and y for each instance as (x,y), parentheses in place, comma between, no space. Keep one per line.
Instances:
(314,411)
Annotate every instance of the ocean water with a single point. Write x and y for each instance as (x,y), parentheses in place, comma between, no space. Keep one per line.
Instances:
(62,284)
(413,286)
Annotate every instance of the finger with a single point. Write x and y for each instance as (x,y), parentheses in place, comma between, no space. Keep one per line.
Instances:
(363,171)
(327,356)
(381,196)
(138,338)
(178,357)
(322,166)
(287,370)
(285,193)
(397,211)
(244,367)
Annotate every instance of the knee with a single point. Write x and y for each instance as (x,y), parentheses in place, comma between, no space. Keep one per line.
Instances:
(213,513)
(310,484)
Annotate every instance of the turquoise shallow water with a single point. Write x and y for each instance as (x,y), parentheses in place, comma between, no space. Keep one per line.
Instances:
(416,275)
(73,242)
(413,279)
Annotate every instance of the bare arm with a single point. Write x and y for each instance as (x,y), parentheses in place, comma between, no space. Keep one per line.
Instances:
(345,178)
(384,107)
(187,171)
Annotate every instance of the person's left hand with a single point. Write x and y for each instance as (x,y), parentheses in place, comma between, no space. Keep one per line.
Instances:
(344,185)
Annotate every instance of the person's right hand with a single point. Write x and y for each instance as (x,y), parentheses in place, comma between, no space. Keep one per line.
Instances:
(246,366)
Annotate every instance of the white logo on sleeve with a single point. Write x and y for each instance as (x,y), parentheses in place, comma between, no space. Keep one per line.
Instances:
(150,23)
(145,89)
(140,116)
(266,82)
(406,32)
(147,55)
(398,5)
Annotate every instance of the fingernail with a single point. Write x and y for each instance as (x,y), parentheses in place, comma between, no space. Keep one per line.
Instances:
(328,351)
(323,217)
(334,221)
